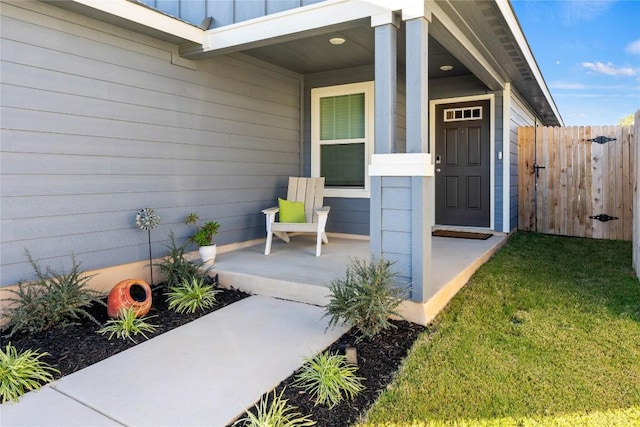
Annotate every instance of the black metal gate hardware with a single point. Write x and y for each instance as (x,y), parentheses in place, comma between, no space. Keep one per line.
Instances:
(601,139)
(537,169)
(603,217)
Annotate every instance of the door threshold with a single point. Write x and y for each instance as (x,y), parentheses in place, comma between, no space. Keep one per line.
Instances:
(468,229)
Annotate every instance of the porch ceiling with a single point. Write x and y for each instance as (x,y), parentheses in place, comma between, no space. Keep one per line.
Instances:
(315,54)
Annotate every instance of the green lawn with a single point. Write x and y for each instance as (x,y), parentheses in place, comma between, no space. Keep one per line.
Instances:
(546,333)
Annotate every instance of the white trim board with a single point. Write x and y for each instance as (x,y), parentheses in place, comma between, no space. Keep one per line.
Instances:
(147,17)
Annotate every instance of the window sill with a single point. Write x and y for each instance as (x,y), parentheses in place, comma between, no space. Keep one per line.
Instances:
(347,193)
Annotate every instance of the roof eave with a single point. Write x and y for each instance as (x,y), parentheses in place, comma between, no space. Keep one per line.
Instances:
(514,27)
(136,17)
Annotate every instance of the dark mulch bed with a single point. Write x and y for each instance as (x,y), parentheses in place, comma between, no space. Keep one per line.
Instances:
(378,360)
(78,346)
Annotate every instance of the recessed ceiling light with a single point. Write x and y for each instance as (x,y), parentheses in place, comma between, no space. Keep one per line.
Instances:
(446,67)
(336,40)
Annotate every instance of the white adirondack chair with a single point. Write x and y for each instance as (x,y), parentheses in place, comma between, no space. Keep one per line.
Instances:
(307,190)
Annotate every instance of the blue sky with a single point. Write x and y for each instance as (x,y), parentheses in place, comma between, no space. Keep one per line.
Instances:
(589,54)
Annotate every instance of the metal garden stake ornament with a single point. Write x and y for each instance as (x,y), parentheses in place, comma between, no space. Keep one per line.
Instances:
(146,219)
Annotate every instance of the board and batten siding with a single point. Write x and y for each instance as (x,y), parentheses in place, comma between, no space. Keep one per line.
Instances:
(519,115)
(97,123)
(224,12)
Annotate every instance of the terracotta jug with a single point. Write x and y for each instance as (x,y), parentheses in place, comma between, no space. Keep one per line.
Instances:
(129,293)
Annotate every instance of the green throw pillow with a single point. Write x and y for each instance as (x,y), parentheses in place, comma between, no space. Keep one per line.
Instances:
(291,211)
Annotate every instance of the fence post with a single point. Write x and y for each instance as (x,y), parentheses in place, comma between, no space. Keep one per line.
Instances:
(636,202)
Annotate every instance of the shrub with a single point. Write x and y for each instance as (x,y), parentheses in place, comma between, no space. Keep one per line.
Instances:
(275,414)
(366,297)
(328,378)
(22,372)
(53,299)
(175,267)
(191,295)
(127,325)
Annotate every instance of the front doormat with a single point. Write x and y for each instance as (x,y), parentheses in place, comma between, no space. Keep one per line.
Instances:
(461,234)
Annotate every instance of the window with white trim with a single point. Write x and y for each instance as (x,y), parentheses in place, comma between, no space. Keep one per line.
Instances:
(342,138)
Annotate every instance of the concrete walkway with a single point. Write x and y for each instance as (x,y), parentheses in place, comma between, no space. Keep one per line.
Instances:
(205,373)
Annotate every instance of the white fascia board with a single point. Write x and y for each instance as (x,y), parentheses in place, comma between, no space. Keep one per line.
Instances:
(448,23)
(401,164)
(147,17)
(516,30)
(290,22)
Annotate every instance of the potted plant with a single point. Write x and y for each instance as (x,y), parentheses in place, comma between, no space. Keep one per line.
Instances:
(203,237)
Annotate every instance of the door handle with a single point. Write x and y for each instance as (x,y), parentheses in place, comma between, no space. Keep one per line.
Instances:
(438,170)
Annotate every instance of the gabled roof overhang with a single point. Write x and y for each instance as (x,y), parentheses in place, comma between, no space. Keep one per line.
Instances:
(136,17)
(485,35)
(493,28)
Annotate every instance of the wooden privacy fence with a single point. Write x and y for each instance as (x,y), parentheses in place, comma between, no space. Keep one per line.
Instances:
(576,181)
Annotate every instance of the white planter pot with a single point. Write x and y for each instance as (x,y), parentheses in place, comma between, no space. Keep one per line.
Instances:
(208,254)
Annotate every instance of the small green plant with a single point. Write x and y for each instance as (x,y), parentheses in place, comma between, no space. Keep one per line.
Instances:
(21,372)
(275,414)
(127,325)
(204,235)
(175,267)
(191,295)
(53,299)
(366,298)
(328,378)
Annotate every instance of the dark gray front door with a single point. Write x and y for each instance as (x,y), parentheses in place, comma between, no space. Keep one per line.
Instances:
(463,164)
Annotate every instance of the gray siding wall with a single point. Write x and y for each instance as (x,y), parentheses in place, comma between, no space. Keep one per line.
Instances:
(96,123)
(520,115)
(223,12)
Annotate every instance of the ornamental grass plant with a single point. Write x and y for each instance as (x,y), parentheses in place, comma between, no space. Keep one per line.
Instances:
(328,378)
(127,325)
(191,295)
(21,372)
(274,412)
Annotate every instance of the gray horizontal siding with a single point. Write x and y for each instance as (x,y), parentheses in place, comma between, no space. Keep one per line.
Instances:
(97,124)
(520,115)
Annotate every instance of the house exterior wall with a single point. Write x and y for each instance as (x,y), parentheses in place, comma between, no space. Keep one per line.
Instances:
(97,123)
(223,12)
(351,215)
(519,115)
(348,215)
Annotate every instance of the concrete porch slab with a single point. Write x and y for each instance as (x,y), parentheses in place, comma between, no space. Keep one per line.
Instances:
(293,272)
